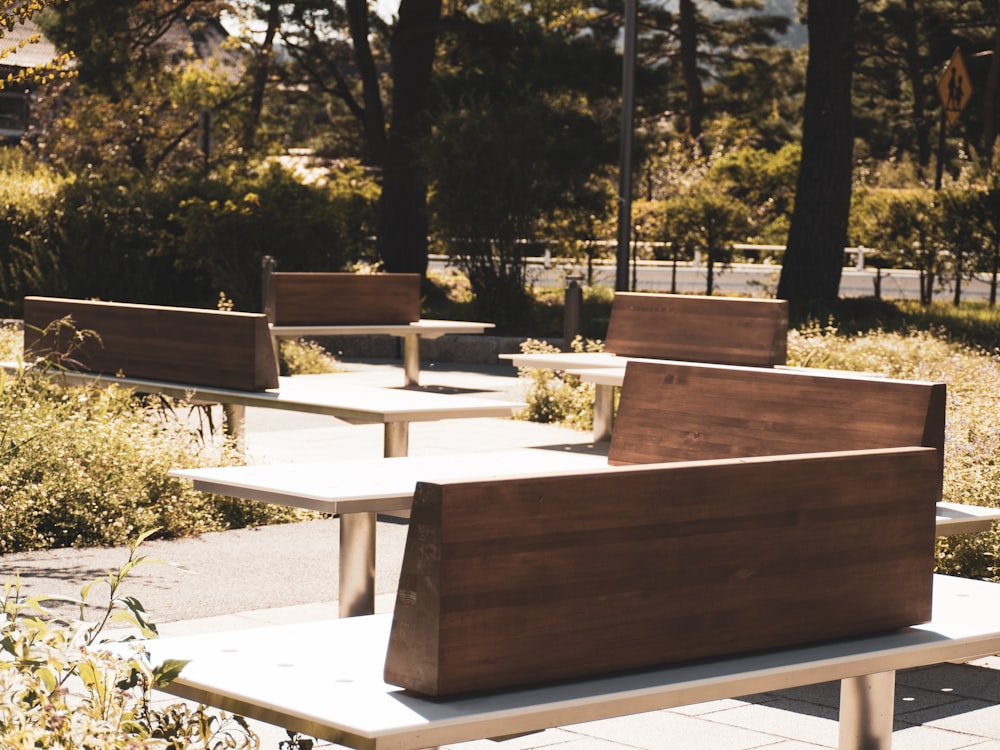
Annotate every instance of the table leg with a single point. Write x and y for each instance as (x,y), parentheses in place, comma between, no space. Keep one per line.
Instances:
(357,564)
(866,705)
(604,411)
(235,427)
(411,358)
(397,439)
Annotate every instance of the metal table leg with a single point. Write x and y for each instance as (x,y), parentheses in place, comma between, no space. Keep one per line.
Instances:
(411,358)
(604,411)
(357,564)
(235,427)
(866,705)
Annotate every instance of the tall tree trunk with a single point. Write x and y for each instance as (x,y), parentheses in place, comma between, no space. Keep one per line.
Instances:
(402,216)
(689,66)
(818,231)
(373,116)
(260,76)
(921,122)
(990,95)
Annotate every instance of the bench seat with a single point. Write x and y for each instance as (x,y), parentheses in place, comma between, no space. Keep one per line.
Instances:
(327,304)
(325,679)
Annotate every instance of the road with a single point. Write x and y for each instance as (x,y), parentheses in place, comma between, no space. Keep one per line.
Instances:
(659,276)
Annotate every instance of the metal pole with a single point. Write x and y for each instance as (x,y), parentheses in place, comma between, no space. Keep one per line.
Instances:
(625,162)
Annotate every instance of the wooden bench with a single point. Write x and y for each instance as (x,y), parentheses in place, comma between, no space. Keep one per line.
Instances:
(325,679)
(689,328)
(351,304)
(670,411)
(215,357)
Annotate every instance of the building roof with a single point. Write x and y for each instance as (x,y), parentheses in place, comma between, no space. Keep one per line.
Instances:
(23,52)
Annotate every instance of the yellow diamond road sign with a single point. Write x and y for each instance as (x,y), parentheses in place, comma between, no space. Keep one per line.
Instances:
(954,87)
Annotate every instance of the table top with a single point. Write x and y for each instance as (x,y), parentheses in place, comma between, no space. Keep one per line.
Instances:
(386,485)
(376,485)
(325,679)
(303,393)
(425,327)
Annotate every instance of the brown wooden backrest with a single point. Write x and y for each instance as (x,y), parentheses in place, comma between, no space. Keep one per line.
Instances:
(524,581)
(174,344)
(727,330)
(674,411)
(299,299)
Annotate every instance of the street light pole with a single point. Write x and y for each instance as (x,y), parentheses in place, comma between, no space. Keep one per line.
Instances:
(625,161)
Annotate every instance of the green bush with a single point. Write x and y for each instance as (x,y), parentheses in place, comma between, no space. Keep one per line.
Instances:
(304,357)
(557,397)
(87,466)
(179,241)
(65,685)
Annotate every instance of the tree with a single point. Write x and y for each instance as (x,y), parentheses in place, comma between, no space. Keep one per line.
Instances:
(707,222)
(402,222)
(818,232)
(515,148)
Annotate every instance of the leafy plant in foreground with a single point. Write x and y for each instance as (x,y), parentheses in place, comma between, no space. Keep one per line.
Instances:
(63,684)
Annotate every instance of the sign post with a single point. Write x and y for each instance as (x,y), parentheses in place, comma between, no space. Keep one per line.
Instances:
(955,90)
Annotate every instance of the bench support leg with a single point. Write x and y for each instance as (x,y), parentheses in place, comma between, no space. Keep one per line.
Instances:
(357,564)
(411,359)
(235,427)
(604,411)
(396,441)
(866,704)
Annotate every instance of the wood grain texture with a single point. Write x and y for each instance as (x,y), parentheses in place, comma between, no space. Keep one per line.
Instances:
(532,580)
(175,344)
(679,412)
(344,298)
(726,330)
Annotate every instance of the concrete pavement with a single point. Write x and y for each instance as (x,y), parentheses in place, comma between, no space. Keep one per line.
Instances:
(256,577)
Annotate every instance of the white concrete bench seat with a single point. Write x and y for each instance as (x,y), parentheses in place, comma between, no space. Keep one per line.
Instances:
(373,485)
(325,679)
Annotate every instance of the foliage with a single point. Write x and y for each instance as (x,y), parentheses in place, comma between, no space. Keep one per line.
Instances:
(18,12)
(304,357)
(557,397)
(127,237)
(65,685)
(513,147)
(972,426)
(87,466)
(706,223)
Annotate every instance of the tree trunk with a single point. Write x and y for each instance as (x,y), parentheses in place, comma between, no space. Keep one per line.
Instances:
(261,72)
(373,116)
(402,219)
(818,231)
(990,95)
(922,123)
(689,65)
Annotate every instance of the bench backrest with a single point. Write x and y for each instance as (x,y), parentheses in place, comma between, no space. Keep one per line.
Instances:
(673,411)
(301,299)
(175,344)
(727,330)
(523,581)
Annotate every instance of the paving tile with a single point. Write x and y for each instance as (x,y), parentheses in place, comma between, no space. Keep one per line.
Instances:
(968,716)
(659,729)
(793,720)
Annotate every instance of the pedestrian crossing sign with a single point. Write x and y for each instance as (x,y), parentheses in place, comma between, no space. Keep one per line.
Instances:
(954,87)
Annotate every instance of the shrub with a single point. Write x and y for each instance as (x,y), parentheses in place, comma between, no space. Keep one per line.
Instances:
(305,357)
(63,685)
(88,466)
(557,397)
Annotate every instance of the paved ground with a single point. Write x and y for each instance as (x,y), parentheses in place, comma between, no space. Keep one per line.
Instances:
(275,574)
